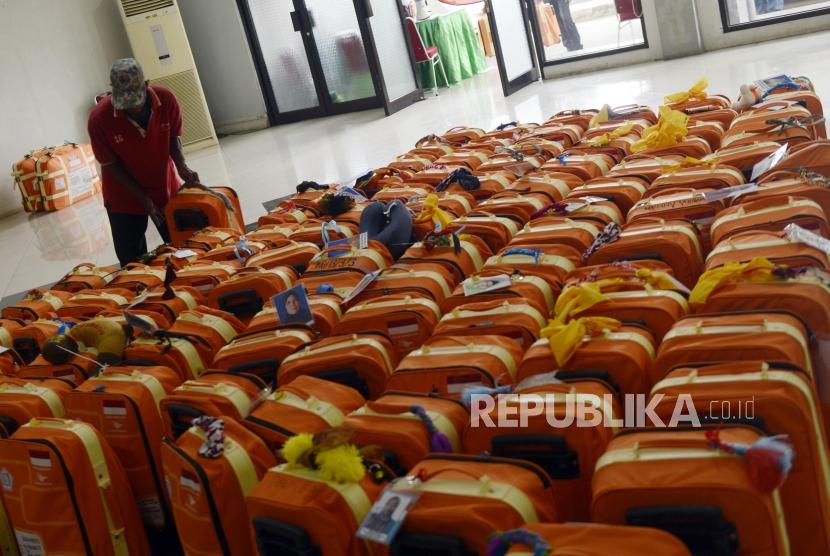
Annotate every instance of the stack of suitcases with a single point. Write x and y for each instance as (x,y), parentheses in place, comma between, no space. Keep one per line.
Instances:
(621,259)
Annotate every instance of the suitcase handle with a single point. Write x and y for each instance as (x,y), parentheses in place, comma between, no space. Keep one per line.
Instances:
(264,369)
(244,303)
(278,538)
(7,426)
(701,528)
(559,461)
(178,418)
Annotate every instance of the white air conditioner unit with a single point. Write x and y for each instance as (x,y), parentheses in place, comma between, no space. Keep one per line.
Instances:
(160,45)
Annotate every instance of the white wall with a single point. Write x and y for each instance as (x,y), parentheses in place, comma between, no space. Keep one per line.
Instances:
(226,68)
(54,57)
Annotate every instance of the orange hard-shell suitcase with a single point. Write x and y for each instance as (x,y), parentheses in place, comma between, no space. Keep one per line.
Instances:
(24,399)
(193,208)
(260,352)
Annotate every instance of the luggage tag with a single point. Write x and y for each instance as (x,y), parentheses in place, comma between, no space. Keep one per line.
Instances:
(362,285)
(797,233)
(358,242)
(351,192)
(729,192)
(769,162)
(388,513)
(184,254)
(474,286)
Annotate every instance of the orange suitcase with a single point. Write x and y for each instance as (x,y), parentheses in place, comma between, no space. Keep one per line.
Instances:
(361,361)
(814,188)
(374,257)
(724,116)
(156,305)
(771,214)
(193,208)
(208,481)
(784,399)
(179,354)
(464,500)
(247,291)
(549,262)
(212,237)
(422,280)
(621,357)
(622,192)
(407,320)
(675,480)
(591,539)
(205,275)
(696,176)
(462,257)
(123,404)
(69,493)
(584,208)
(271,233)
(285,216)
(306,404)
(237,252)
(86,276)
(215,394)
(557,230)
(647,168)
(66,174)
(76,370)
(261,352)
(25,174)
(37,304)
(775,246)
(217,328)
(533,289)
(512,318)
(407,427)
(552,185)
(448,365)
(28,339)
(325,308)
(22,400)
(676,242)
(88,304)
(489,183)
(769,336)
(494,230)
(285,253)
(312,231)
(511,204)
(809,159)
(567,452)
(403,191)
(461,134)
(744,157)
(585,167)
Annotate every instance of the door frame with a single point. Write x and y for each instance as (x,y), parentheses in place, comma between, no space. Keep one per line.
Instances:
(522,81)
(395,105)
(325,105)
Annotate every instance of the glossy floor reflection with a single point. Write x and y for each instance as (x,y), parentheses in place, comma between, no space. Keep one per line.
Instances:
(36,250)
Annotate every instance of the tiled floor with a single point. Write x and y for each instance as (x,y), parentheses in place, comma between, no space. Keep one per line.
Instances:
(261,166)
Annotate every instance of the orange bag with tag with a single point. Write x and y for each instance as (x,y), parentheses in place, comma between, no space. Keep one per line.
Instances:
(123,404)
(76,370)
(464,500)
(87,304)
(675,480)
(494,230)
(214,393)
(622,192)
(245,293)
(212,237)
(647,168)
(362,361)
(205,275)
(216,327)
(512,318)
(734,337)
(24,399)
(271,233)
(325,308)
(261,352)
(86,276)
(285,253)
(513,205)
(37,304)
(554,186)
(407,320)
(178,354)
(193,208)
(535,290)
(306,404)
(449,364)
(585,167)
(566,452)
(406,426)
(696,176)
(69,493)
(64,175)
(208,481)
(27,340)
(422,280)
(783,398)
(550,262)
(558,230)
(462,257)
(743,157)
(775,246)
(771,214)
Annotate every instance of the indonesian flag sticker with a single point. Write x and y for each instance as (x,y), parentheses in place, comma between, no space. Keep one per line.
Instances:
(41,459)
(114,408)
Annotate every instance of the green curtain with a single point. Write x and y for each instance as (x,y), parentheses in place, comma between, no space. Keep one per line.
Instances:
(458,45)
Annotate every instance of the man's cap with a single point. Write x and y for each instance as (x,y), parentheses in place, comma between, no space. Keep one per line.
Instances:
(129,90)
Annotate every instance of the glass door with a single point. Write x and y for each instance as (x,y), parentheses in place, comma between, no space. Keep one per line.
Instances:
(513,41)
(311,57)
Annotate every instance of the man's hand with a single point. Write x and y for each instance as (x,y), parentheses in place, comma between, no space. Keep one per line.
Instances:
(153,211)
(188,176)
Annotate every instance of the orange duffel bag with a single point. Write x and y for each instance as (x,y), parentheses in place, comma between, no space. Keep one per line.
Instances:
(675,242)
(209,470)
(620,355)
(24,399)
(556,438)
(587,539)
(734,337)
(513,318)
(215,394)
(247,291)
(682,482)
(775,246)
(783,398)
(771,214)
(123,404)
(362,361)
(67,493)
(407,320)
(464,500)
(462,256)
(315,503)
(448,365)
(306,404)
(260,352)
(408,427)
(193,208)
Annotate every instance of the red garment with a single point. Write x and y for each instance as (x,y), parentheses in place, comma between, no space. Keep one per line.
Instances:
(145,154)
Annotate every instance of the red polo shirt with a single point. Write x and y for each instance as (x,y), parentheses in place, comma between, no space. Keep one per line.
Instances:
(145,154)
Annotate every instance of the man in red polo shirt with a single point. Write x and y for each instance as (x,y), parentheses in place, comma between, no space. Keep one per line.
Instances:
(136,136)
